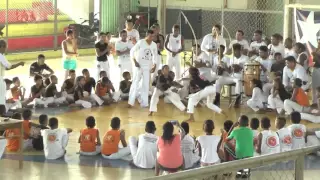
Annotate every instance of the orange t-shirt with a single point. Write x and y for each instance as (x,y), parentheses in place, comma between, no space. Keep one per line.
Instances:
(26,128)
(110,142)
(302,98)
(13,144)
(88,140)
(101,91)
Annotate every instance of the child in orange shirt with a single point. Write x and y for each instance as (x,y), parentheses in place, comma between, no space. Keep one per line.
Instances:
(89,139)
(3,141)
(13,135)
(111,139)
(299,94)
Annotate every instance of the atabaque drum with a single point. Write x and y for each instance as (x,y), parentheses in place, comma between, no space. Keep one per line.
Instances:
(251,71)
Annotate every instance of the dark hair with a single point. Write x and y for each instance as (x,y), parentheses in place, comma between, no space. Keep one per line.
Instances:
(43,118)
(153,27)
(150,127)
(8,81)
(295,117)
(282,121)
(301,46)
(277,54)
(47,81)
(115,123)
(167,134)
(257,83)
(16,116)
(150,32)
(102,34)
(185,127)
(208,126)
(277,36)
(125,74)
(282,91)
(237,47)
(78,79)
(263,48)
(123,31)
(105,80)
(72,71)
(85,70)
(265,123)
(27,114)
(254,123)
(3,43)
(222,48)
(69,32)
(194,71)
(129,21)
(290,59)
(176,26)
(90,122)
(298,82)
(101,73)
(41,56)
(164,66)
(244,121)
(218,26)
(53,122)
(258,32)
(3,110)
(37,77)
(156,24)
(240,31)
(227,125)
(15,79)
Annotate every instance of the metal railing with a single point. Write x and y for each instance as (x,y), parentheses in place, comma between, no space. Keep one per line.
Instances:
(274,166)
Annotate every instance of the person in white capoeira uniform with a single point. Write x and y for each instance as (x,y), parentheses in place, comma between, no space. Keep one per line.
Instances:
(206,90)
(133,35)
(284,134)
(142,54)
(256,43)
(289,48)
(239,40)
(5,65)
(302,57)
(268,140)
(276,46)
(235,66)
(102,52)
(123,48)
(174,45)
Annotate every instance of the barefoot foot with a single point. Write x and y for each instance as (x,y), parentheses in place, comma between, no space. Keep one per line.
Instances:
(150,113)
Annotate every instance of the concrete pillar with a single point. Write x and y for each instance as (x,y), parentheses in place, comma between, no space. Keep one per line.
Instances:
(161,15)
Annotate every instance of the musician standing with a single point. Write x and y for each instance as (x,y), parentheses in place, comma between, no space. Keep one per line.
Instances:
(235,66)
(211,42)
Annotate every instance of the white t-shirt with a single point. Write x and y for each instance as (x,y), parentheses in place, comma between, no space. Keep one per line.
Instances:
(54,142)
(147,151)
(289,75)
(258,96)
(244,43)
(5,64)
(290,52)
(276,49)
(240,61)
(174,43)
(209,42)
(187,148)
(254,46)
(298,133)
(266,63)
(270,142)
(122,46)
(132,34)
(209,146)
(204,58)
(285,138)
(145,54)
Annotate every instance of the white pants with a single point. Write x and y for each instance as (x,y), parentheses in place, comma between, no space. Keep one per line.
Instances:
(125,65)
(225,80)
(290,106)
(87,104)
(121,154)
(158,66)
(103,66)
(209,75)
(208,92)
(150,161)
(310,117)
(115,96)
(255,105)
(267,88)
(3,91)
(313,141)
(174,62)
(15,105)
(98,150)
(275,103)
(3,144)
(69,97)
(141,74)
(43,101)
(184,91)
(172,96)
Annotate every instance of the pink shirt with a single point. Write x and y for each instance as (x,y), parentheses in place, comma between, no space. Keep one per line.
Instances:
(170,155)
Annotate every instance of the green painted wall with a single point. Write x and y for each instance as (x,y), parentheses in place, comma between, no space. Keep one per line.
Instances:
(134,5)
(109,15)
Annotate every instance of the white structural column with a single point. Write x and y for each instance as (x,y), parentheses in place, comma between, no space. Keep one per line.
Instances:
(161,15)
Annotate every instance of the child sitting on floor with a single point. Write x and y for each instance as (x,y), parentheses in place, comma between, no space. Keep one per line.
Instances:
(298,131)
(284,134)
(208,145)
(52,93)
(10,102)
(28,134)
(68,86)
(37,92)
(254,125)
(37,141)
(13,136)
(110,148)
(125,86)
(89,139)
(227,125)
(268,140)
(144,149)
(103,90)
(55,140)
(3,141)
(191,157)
(17,91)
